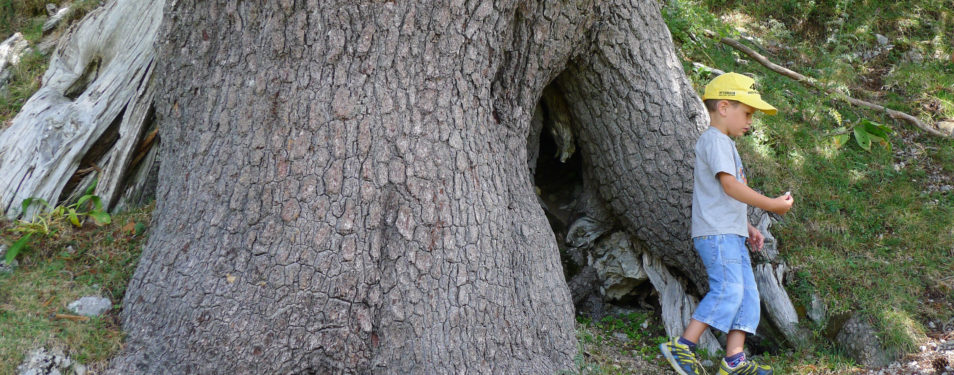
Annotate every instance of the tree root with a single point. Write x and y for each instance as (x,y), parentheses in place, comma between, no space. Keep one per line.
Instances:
(813,83)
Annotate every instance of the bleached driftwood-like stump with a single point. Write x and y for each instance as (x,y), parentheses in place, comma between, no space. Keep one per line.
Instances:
(91,112)
(677,306)
(769,276)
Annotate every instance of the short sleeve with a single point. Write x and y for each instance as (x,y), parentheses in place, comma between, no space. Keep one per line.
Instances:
(718,155)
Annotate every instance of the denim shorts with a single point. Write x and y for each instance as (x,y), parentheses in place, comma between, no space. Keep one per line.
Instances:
(733,299)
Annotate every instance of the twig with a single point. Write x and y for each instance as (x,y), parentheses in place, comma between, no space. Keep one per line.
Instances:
(811,82)
(75,318)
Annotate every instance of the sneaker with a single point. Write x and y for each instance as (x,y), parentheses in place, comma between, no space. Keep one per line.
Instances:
(681,358)
(745,368)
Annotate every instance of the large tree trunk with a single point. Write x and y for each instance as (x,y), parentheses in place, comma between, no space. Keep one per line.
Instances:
(345,185)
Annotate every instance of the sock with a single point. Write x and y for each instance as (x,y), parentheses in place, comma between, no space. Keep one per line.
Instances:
(690,344)
(734,360)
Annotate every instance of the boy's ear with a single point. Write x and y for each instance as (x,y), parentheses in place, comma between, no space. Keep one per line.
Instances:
(722,106)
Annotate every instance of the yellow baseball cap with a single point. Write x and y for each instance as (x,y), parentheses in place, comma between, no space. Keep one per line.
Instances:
(734,86)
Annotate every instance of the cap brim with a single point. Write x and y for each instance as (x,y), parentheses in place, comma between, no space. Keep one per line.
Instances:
(759,104)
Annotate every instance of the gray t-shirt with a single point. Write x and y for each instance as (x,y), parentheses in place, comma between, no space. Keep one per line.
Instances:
(714,211)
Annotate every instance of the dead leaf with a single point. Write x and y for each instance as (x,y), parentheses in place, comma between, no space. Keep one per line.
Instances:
(130,227)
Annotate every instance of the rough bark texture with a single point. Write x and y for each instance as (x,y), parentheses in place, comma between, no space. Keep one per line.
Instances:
(637,118)
(345,186)
(90,114)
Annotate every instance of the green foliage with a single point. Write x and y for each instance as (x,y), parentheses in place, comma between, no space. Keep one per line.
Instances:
(15,15)
(619,344)
(69,263)
(866,133)
(88,205)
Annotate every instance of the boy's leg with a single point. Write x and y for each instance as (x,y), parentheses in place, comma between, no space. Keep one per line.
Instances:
(745,322)
(734,342)
(694,331)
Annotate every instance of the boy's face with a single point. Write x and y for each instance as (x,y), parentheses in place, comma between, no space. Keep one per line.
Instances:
(737,117)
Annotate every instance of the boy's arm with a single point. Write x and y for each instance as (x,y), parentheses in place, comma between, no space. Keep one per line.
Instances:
(745,194)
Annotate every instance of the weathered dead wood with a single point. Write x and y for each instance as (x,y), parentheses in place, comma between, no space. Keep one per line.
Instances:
(780,309)
(677,306)
(813,83)
(92,110)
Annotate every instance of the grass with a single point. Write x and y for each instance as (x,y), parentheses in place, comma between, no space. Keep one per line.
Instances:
(57,269)
(624,344)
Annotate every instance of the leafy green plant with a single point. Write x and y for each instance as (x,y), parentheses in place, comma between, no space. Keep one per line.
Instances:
(866,133)
(88,205)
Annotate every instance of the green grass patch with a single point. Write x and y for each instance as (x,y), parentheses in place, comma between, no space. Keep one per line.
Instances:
(625,344)
(57,269)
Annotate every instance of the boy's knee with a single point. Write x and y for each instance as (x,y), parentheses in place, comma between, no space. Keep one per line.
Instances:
(732,294)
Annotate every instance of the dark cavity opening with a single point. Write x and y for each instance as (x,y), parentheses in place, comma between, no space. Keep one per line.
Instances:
(557,166)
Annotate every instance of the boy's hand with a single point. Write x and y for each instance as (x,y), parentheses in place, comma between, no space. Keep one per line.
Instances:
(756,239)
(782,203)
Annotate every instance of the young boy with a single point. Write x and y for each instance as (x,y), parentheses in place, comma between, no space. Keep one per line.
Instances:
(720,228)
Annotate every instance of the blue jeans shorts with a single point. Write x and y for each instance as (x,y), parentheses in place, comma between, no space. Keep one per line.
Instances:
(733,299)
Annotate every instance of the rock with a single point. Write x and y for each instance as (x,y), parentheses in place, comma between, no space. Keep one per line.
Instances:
(817,310)
(10,52)
(617,265)
(882,40)
(859,340)
(946,126)
(913,56)
(55,19)
(49,362)
(90,306)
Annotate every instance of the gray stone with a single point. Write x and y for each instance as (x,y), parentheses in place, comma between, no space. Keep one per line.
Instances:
(816,309)
(49,362)
(861,343)
(10,52)
(946,127)
(882,40)
(90,306)
(913,56)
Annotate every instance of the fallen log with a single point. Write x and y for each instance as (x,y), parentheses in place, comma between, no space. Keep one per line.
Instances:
(93,109)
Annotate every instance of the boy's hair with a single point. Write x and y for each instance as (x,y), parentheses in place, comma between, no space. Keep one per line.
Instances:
(713,104)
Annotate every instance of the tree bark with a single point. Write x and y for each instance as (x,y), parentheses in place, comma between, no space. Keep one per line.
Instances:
(345,186)
(637,119)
